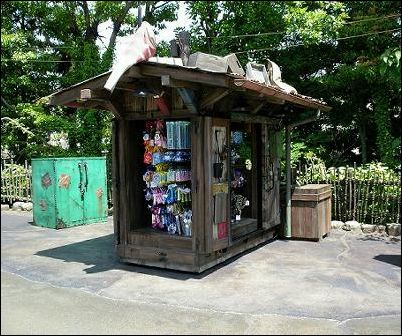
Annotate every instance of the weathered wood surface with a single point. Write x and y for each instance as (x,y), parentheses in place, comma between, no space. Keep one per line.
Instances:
(270,178)
(255,171)
(311,217)
(246,243)
(116,181)
(198,185)
(160,76)
(213,97)
(270,91)
(217,207)
(161,257)
(172,258)
(243,227)
(148,237)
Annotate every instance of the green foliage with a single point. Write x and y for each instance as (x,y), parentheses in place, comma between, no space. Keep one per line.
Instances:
(92,134)
(390,65)
(315,168)
(12,169)
(314,21)
(363,90)
(389,146)
(49,45)
(290,22)
(359,77)
(163,49)
(317,172)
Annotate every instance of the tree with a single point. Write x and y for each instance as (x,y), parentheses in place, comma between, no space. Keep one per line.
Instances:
(326,49)
(53,44)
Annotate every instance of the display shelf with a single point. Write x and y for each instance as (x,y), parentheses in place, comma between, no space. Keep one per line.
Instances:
(167,177)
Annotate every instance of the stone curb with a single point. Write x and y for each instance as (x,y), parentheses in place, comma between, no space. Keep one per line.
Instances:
(391,229)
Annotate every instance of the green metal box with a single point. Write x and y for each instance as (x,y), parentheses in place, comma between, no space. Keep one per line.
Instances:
(69,191)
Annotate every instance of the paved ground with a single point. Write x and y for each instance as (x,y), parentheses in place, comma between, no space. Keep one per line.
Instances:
(70,282)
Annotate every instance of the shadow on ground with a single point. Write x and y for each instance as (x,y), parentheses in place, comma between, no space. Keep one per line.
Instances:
(100,254)
(393,259)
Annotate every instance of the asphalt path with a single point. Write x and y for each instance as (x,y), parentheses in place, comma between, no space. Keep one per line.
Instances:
(71,282)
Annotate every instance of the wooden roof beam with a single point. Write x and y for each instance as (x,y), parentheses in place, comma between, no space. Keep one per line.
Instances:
(182,74)
(258,107)
(74,93)
(87,94)
(243,117)
(278,94)
(103,98)
(189,99)
(213,97)
(167,80)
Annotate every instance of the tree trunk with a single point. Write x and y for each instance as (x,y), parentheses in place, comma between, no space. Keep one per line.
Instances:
(117,23)
(363,140)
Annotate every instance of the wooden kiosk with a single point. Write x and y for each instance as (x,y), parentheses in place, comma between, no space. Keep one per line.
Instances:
(195,161)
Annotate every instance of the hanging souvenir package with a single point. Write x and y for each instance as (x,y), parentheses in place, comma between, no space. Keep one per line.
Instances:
(167,175)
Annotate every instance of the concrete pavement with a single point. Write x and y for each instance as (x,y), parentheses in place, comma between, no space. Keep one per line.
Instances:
(70,282)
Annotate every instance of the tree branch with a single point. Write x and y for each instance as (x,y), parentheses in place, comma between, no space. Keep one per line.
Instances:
(17,124)
(117,23)
(84,5)
(164,3)
(7,104)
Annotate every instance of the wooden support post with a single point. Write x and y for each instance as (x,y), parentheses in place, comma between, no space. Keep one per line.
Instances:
(288,225)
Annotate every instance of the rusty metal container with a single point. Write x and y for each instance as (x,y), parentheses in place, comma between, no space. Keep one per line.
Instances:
(311,211)
(69,191)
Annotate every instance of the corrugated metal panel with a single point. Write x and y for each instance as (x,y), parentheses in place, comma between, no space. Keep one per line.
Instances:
(69,191)
(43,193)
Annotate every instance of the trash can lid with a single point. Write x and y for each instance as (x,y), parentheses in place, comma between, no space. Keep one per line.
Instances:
(321,190)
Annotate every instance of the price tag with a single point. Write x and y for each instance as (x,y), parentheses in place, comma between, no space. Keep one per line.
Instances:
(237,217)
(247,203)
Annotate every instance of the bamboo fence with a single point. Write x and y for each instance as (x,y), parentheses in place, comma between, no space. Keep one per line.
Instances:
(363,194)
(15,181)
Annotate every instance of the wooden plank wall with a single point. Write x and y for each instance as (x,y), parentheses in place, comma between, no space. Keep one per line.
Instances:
(223,211)
(129,156)
(148,104)
(270,179)
(198,185)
